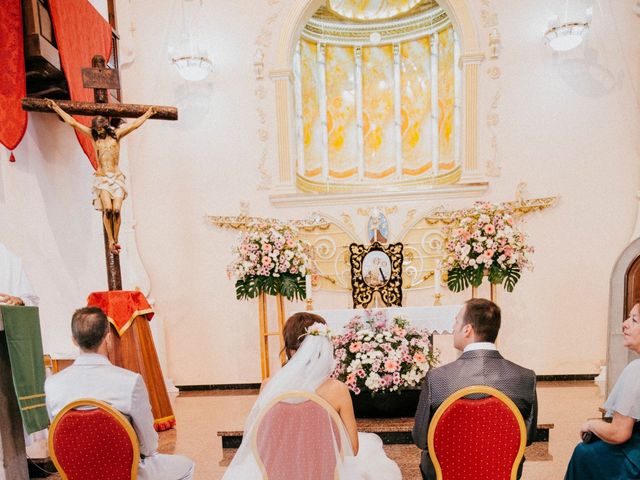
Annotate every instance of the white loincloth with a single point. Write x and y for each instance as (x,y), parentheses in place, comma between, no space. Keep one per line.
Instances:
(114,183)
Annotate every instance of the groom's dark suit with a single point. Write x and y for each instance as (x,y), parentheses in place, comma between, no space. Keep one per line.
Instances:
(476,367)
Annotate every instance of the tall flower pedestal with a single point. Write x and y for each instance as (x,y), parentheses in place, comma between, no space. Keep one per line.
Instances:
(493,292)
(265,333)
(402,403)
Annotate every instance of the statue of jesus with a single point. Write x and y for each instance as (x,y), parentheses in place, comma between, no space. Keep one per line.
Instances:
(109,190)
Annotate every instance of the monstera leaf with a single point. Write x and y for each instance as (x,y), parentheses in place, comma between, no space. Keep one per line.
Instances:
(511,277)
(458,279)
(292,287)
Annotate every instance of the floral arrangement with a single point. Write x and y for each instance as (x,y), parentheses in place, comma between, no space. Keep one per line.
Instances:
(382,356)
(271,259)
(482,241)
(318,329)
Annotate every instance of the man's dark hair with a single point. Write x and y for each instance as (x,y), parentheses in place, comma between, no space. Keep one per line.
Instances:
(89,326)
(484,316)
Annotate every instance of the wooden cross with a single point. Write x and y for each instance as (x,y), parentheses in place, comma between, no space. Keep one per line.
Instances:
(101,79)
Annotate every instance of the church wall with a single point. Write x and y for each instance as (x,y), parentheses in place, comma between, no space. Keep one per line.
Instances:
(47,219)
(567,126)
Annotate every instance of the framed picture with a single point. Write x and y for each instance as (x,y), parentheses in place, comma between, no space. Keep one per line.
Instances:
(376,268)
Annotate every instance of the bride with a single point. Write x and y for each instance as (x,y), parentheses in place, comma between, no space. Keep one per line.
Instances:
(310,365)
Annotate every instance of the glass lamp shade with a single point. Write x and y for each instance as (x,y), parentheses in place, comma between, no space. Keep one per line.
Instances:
(193,67)
(567,36)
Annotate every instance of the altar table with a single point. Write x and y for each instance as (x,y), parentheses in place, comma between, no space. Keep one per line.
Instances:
(438,319)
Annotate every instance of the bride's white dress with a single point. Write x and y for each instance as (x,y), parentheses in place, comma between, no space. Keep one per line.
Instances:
(306,371)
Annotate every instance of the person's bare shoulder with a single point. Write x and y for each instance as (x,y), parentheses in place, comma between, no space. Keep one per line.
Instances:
(333,389)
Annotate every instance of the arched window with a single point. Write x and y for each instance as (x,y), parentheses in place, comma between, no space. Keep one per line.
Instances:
(377,101)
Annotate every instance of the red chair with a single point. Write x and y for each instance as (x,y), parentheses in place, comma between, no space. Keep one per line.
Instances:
(476,439)
(298,436)
(90,440)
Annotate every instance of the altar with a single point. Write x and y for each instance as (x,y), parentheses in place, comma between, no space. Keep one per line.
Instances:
(437,319)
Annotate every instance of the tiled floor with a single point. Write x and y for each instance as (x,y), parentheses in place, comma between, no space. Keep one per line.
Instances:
(201,414)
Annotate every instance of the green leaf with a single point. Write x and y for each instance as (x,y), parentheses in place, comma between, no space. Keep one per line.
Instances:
(458,279)
(496,274)
(475,276)
(270,285)
(511,277)
(292,287)
(246,288)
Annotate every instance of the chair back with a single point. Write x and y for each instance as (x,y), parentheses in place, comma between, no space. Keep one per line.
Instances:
(479,438)
(298,435)
(90,440)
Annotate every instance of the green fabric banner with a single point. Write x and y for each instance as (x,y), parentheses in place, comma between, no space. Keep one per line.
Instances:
(24,342)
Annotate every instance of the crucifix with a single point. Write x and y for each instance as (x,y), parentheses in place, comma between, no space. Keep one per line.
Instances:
(109,188)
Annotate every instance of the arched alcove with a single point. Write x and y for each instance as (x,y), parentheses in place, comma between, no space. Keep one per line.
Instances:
(471,183)
(624,292)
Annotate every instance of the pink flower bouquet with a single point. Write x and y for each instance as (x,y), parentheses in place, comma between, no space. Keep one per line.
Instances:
(484,240)
(379,355)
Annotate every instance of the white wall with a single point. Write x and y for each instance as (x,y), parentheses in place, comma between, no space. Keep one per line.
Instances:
(568,127)
(47,219)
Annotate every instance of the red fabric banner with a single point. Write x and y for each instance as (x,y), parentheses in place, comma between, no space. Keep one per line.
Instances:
(121,306)
(81,32)
(13,86)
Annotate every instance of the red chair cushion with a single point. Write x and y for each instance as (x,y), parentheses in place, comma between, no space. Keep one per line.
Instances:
(92,445)
(296,441)
(476,440)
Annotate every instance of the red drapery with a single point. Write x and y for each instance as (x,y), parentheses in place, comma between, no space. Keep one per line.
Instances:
(13,120)
(121,307)
(81,32)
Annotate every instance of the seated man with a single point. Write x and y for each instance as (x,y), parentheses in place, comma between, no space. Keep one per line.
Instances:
(475,332)
(93,376)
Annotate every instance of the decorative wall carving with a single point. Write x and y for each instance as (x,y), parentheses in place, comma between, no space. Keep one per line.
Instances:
(492,27)
(263,43)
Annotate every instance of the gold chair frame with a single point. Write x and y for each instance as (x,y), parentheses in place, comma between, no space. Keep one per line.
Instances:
(95,404)
(463,392)
(297,394)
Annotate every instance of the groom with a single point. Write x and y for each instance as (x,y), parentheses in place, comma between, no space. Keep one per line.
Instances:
(474,333)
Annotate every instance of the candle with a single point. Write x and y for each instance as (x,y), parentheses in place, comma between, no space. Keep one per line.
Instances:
(438,280)
(308,286)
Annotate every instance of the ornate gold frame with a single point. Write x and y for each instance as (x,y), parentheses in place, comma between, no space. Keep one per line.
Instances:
(391,290)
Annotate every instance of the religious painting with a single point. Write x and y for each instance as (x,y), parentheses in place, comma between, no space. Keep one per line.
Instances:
(376,269)
(378,227)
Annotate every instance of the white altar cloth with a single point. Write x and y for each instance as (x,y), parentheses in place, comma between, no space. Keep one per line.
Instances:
(433,319)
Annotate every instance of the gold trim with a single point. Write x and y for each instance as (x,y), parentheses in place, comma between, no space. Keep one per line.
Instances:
(390,290)
(482,389)
(519,207)
(119,417)
(164,419)
(31,407)
(307,185)
(124,328)
(29,397)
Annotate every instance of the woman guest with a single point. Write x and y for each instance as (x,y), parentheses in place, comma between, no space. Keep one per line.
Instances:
(309,369)
(614,450)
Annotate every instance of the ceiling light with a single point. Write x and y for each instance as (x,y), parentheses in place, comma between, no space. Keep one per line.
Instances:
(566,36)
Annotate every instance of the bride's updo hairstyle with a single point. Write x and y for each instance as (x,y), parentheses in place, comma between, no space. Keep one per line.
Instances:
(295,327)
